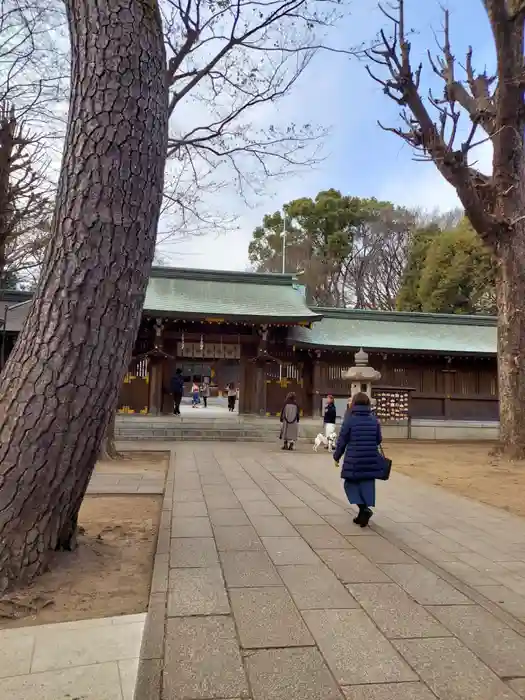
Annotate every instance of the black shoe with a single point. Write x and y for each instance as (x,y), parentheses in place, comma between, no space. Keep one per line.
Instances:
(365,517)
(285,446)
(359,517)
(290,447)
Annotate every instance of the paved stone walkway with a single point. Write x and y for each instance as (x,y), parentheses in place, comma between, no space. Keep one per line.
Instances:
(82,660)
(126,483)
(265,589)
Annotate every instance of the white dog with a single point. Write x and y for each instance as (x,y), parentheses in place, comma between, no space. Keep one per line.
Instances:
(329,442)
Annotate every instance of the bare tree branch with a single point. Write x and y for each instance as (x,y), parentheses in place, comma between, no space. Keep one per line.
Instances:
(25,194)
(229,64)
(437,141)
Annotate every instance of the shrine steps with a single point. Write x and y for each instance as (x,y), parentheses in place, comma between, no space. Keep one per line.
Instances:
(233,430)
(266,429)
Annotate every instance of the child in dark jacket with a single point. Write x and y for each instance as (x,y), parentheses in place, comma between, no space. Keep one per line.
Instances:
(330,411)
(330,417)
(359,441)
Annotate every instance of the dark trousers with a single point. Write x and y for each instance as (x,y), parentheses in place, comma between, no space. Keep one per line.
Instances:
(205,400)
(231,402)
(177,398)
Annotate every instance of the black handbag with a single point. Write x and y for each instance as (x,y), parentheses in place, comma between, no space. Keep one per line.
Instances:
(386,464)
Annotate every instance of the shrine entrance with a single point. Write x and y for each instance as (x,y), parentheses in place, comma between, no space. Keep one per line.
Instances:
(216,374)
(207,360)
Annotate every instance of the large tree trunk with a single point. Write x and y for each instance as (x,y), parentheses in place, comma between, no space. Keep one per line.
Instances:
(108,451)
(510,293)
(60,385)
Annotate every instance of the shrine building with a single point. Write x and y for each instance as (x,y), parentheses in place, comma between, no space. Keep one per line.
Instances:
(257,331)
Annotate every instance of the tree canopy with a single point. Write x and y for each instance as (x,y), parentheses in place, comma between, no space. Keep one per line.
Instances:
(448,271)
(348,250)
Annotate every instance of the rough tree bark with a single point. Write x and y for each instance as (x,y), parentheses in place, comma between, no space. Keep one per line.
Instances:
(494,204)
(510,297)
(108,451)
(60,385)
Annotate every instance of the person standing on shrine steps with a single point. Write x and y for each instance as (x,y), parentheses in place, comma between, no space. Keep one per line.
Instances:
(359,442)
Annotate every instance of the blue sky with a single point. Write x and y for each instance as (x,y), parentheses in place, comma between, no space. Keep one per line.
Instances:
(361,159)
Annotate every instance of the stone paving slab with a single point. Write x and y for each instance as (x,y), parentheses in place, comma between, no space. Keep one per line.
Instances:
(194,552)
(203,659)
(144,482)
(423,585)
(197,592)
(267,617)
(323,537)
(289,550)
(290,674)
(396,613)
(452,671)
(273,526)
(316,587)
(240,537)
(352,567)
(249,569)
(518,685)
(380,551)
(496,645)
(354,648)
(227,516)
(271,583)
(190,509)
(302,516)
(389,691)
(92,659)
(191,527)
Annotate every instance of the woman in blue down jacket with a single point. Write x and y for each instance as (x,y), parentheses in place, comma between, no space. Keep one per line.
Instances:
(359,441)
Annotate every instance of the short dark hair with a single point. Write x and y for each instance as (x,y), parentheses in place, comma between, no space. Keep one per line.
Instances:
(360,399)
(178,370)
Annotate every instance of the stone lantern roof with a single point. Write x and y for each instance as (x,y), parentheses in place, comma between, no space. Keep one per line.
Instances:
(361,372)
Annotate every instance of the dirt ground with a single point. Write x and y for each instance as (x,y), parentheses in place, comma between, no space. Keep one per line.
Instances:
(152,463)
(108,574)
(465,468)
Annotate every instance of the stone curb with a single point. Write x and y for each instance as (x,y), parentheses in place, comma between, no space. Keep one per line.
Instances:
(149,677)
(504,616)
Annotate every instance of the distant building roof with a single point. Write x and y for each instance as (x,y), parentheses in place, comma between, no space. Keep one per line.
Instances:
(17,304)
(273,298)
(182,293)
(390,330)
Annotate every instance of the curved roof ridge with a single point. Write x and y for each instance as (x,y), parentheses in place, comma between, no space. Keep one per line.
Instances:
(403,316)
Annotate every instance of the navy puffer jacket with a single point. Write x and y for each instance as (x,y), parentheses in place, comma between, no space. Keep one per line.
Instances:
(358,440)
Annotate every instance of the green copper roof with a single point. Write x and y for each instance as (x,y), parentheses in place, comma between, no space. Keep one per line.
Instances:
(349,328)
(185,293)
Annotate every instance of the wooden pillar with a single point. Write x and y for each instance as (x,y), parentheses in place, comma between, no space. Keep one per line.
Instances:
(260,370)
(260,388)
(244,388)
(155,371)
(155,387)
(447,403)
(316,384)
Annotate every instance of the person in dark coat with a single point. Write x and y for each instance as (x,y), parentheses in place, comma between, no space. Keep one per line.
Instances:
(177,390)
(359,441)
(330,417)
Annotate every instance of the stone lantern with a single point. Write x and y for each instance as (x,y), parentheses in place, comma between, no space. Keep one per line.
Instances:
(361,375)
